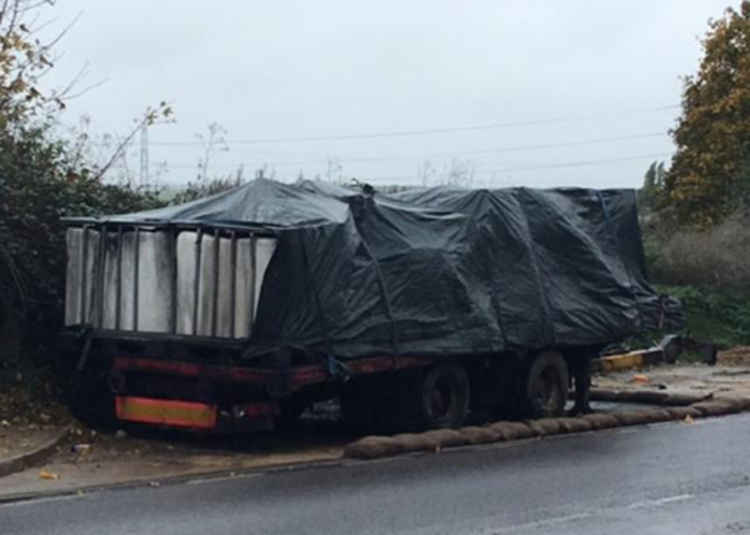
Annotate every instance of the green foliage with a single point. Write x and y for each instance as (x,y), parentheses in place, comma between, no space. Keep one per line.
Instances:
(651,195)
(713,315)
(43,179)
(39,186)
(708,271)
(710,316)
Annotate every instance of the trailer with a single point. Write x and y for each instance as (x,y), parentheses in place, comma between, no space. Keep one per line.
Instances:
(416,310)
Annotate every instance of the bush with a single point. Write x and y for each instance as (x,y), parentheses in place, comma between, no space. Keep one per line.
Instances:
(715,258)
(709,271)
(712,315)
(39,186)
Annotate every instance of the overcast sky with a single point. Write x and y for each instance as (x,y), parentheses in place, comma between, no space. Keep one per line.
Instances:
(553,93)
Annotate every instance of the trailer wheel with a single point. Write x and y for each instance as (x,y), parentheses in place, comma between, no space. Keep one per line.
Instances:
(443,396)
(546,386)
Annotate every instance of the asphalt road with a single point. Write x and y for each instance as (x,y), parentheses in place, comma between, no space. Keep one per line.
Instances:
(667,478)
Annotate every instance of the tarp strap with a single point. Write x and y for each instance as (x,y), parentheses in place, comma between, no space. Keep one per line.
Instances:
(386,298)
(616,240)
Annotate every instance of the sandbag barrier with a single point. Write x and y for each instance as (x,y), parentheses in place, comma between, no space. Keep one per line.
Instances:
(373,447)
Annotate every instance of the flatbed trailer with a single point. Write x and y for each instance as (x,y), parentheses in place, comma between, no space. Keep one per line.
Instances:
(169,314)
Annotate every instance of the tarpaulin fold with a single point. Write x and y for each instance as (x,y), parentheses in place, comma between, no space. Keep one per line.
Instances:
(440,271)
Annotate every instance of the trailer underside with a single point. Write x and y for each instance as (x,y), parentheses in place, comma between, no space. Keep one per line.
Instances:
(205,384)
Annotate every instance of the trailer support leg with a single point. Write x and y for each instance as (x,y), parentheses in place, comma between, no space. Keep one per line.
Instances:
(582,378)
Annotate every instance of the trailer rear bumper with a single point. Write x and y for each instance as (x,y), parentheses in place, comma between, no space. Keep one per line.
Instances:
(196,416)
(166,412)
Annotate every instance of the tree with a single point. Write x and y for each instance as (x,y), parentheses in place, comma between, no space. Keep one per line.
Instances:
(213,142)
(459,172)
(44,178)
(651,194)
(709,170)
(204,184)
(426,172)
(334,170)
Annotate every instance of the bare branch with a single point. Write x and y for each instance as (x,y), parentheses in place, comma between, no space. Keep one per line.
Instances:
(76,78)
(62,32)
(14,13)
(3,11)
(83,91)
(119,150)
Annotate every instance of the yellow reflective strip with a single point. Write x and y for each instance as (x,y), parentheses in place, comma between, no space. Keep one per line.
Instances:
(131,410)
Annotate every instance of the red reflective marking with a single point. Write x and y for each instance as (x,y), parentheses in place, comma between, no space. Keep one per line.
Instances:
(259,409)
(299,376)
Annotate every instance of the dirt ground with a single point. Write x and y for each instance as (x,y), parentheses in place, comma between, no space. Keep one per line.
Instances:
(729,377)
(737,356)
(29,417)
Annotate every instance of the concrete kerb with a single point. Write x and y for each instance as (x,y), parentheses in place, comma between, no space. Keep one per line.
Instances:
(209,475)
(374,447)
(33,457)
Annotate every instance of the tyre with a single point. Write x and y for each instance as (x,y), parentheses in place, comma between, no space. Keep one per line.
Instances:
(443,396)
(545,388)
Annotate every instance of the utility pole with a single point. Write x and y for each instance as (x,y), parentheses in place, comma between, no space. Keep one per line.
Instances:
(144,155)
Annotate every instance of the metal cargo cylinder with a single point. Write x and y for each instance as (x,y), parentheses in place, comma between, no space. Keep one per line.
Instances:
(203,282)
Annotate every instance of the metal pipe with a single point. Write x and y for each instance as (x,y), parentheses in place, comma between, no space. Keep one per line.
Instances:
(136,271)
(196,278)
(103,235)
(173,235)
(253,267)
(84,261)
(215,307)
(118,290)
(233,282)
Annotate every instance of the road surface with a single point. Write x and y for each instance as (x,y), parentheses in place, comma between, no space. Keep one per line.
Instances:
(667,478)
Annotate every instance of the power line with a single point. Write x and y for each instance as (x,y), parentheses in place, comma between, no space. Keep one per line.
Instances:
(499,150)
(582,163)
(573,164)
(564,144)
(407,133)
